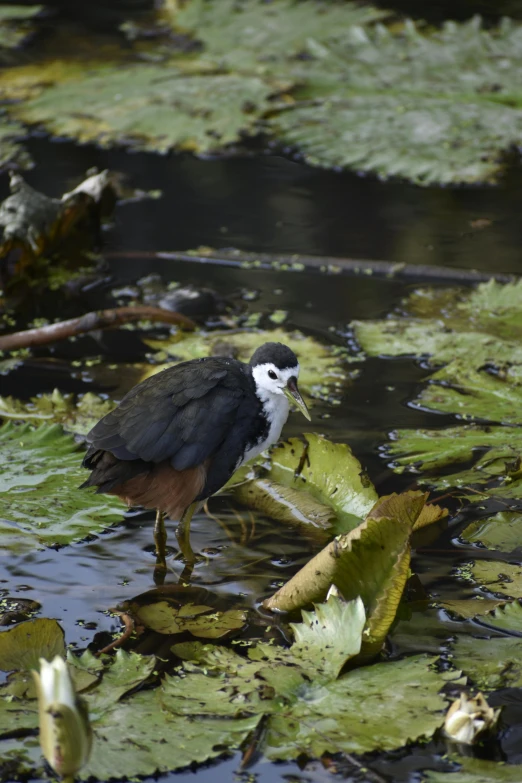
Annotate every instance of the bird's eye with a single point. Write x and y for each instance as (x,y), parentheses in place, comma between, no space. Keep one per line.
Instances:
(272,374)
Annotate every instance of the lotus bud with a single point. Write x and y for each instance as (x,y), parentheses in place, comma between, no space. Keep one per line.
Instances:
(65,732)
(468,718)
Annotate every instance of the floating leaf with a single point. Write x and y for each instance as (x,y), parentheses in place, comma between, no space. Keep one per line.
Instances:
(22,646)
(328,472)
(473,770)
(504,578)
(322,366)
(126,672)
(502,531)
(15,24)
(491,663)
(328,637)
(203,622)
(372,561)
(78,417)
(507,617)
(40,503)
(157,107)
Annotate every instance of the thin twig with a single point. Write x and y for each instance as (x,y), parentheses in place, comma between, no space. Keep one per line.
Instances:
(100,319)
(129,629)
(353,266)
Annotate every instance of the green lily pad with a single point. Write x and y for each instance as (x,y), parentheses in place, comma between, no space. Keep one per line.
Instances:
(491,663)
(22,646)
(328,472)
(78,417)
(477,771)
(15,24)
(507,617)
(204,622)
(323,367)
(40,503)
(328,637)
(126,672)
(502,531)
(149,107)
(504,578)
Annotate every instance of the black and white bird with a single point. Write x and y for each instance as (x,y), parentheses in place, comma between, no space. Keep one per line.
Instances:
(176,438)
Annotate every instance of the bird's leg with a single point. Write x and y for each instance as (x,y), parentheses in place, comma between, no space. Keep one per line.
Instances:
(183,535)
(160,539)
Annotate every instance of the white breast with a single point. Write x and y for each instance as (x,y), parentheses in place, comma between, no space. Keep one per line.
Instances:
(276,408)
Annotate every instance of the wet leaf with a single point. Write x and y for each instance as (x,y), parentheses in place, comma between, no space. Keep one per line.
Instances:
(309,717)
(504,578)
(323,367)
(507,617)
(126,672)
(85,670)
(22,646)
(491,663)
(15,24)
(158,107)
(140,737)
(204,622)
(470,607)
(473,770)
(372,561)
(78,416)
(40,503)
(328,637)
(328,472)
(502,531)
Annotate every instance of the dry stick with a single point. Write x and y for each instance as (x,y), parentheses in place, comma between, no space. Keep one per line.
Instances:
(100,319)
(353,266)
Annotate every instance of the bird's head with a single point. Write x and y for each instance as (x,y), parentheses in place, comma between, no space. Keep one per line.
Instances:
(276,369)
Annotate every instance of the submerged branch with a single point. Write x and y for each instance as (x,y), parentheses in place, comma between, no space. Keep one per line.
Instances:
(101,319)
(329,264)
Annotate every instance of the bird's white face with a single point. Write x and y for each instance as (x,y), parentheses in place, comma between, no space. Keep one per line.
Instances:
(279,387)
(271,380)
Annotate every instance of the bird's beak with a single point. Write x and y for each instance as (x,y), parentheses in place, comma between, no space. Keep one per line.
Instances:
(292,393)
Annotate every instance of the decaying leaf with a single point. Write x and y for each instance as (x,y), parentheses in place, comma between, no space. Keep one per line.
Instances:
(372,561)
(77,416)
(35,225)
(203,622)
(498,577)
(40,503)
(469,718)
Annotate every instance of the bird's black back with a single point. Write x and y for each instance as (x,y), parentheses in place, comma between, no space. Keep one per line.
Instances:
(205,409)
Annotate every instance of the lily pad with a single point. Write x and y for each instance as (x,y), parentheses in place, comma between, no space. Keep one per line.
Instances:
(507,617)
(15,24)
(328,472)
(40,503)
(371,561)
(491,663)
(148,107)
(126,672)
(74,416)
(22,646)
(204,622)
(504,578)
(502,531)
(323,367)
(473,770)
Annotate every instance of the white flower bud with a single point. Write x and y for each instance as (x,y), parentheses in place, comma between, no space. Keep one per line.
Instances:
(65,732)
(468,718)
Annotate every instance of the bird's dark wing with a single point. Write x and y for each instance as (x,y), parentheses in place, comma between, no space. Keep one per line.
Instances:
(184,414)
